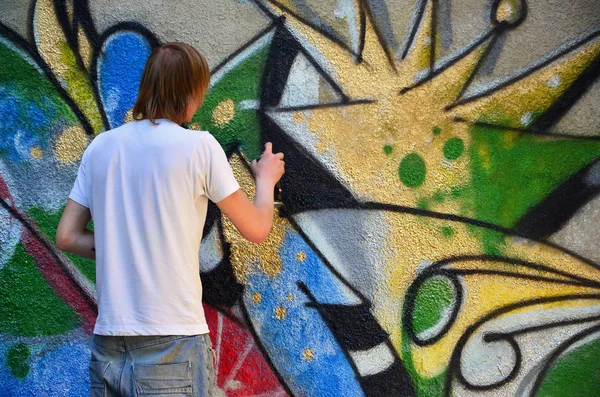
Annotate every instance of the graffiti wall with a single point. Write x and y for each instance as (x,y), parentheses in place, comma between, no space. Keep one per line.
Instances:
(441,205)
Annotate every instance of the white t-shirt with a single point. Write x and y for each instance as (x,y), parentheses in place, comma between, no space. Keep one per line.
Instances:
(147,187)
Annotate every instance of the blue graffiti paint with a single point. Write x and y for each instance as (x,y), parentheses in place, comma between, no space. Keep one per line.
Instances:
(302,328)
(120,71)
(33,112)
(55,371)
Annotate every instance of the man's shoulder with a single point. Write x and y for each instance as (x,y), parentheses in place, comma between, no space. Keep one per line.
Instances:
(106,137)
(112,133)
(197,137)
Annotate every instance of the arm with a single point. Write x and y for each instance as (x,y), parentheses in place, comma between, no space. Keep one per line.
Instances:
(71,234)
(254,220)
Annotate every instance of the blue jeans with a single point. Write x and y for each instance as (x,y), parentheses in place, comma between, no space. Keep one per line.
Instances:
(177,365)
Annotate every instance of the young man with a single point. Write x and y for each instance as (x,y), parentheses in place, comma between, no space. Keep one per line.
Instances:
(147,184)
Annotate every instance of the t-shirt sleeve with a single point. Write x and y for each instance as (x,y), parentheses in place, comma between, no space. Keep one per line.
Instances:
(216,176)
(79,191)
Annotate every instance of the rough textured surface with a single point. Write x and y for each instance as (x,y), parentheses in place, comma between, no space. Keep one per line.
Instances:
(441,200)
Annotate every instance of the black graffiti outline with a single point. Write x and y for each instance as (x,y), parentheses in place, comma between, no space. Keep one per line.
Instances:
(50,249)
(473,222)
(404,383)
(272,26)
(367,12)
(530,70)
(523,130)
(80,11)
(578,188)
(497,26)
(127,26)
(31,51)
(418,16)
(557,354)
(335,40)
(454,364)
(438,269)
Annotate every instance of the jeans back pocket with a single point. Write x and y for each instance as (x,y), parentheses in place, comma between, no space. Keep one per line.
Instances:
(163,379)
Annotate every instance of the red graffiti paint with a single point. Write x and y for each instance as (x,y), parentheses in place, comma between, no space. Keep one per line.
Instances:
(63,284)
(240,367)
(49,264)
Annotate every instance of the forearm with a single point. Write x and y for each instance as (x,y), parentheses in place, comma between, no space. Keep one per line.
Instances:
(254,220)
(81,244)
(263,203)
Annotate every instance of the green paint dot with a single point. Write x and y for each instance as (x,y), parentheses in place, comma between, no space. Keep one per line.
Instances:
(387,149)
(18,357)
(447,231)
(432,303)
(436,130)
(423,204)
(453,148)
(412,170)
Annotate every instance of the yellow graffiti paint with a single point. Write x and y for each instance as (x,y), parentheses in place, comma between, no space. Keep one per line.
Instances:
(354,136)
(280,312)
(508,11)
(54,48)
(256,297)
(245,254)
(308,354)
(129,116)
(533,94)
(223,112)
(70,145)
(36,152)
(416,242)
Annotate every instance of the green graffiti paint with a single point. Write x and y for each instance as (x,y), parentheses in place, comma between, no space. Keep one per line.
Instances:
(431,303)
(453,148)
(28,305)
(576,374)
(425,387)
(430,202)
(80,86)
(438,197)
(423,204)
(499,169)
(502,160)
(47,223)
(433,300)
(241,85)
(412,170)
(18,75)
(18,360)
(447,231)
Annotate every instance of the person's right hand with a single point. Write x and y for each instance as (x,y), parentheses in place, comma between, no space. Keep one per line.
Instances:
(270,167)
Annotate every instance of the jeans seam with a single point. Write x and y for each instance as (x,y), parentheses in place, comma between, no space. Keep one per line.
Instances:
(104,347)
(213,358)
(124,354)
(159,342)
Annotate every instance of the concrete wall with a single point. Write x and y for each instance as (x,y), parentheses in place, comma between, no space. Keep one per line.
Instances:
(439,234)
